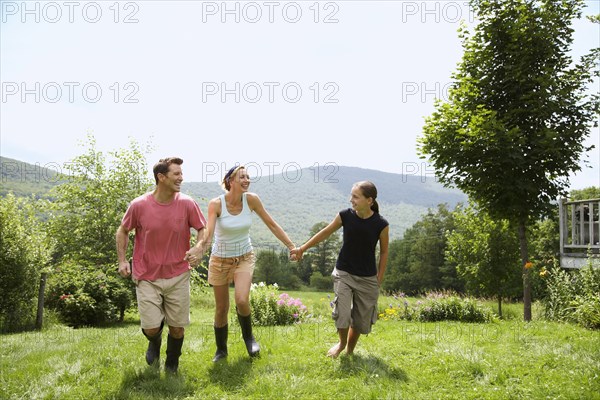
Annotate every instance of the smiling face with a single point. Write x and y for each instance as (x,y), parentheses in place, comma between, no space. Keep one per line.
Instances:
(359,202)
(240,179)
(172,179)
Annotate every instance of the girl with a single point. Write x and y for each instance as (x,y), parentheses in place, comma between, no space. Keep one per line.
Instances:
(356,278)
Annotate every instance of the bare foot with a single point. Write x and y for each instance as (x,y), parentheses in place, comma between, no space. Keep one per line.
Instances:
(335,350)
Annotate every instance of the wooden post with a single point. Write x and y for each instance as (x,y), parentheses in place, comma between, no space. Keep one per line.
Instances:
(39,320)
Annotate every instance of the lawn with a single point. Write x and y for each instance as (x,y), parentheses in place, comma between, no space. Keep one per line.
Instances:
(411,360)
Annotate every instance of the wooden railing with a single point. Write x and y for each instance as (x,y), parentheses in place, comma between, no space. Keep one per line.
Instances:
(579,227)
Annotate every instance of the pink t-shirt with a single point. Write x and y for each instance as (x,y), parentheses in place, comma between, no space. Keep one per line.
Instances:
(162,235)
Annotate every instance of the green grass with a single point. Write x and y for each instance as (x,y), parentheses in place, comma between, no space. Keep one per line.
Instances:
(500,360)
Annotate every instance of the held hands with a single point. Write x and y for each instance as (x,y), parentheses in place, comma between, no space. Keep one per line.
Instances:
(296,254)
(194,255)
(124,269)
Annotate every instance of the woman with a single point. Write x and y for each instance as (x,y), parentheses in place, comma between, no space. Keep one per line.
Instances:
(356,278)
(232,257)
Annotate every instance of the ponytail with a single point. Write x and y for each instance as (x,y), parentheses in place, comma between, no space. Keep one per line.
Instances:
(375,206)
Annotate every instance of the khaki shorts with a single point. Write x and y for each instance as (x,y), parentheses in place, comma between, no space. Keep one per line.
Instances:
(221,270)
(355,302)
(164,299)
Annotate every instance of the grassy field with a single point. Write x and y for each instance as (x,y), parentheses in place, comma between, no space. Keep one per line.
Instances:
(507,359)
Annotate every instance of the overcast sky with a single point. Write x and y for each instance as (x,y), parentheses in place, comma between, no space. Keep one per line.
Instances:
(276,84)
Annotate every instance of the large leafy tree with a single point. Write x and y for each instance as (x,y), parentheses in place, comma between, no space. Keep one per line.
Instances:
(518,113)
(24,255)
(85,215)
(89,206)
(486,254)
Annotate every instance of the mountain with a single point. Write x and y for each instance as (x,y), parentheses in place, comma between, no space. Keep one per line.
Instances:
(24,179)
(305,197)
(297,199)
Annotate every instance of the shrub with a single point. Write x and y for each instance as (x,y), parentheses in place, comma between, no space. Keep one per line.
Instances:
(318,281)
(437,307)
(269,308)
(573,296)
(86,295)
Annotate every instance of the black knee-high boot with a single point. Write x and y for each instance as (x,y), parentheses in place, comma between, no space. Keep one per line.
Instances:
(154,342)
(251,344)
(221,339)
(173,353)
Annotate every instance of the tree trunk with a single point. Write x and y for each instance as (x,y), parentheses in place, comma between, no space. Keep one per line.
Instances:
(526,274)
(39,320)
(500,306)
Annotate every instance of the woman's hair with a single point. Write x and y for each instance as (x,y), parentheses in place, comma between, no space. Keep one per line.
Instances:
(162,166)
(229,175)
(368,189)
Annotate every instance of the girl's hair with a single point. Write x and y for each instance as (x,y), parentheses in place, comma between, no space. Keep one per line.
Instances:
(368,189)
(231,173)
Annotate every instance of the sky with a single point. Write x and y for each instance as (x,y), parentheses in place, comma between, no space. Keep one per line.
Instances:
(276,85)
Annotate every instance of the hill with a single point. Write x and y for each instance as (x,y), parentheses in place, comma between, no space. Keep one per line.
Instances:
(24,179)
(297,200)
(305,197)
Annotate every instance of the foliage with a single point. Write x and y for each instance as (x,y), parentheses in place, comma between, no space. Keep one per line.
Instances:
(269,308)
(86,213)
(320,282)
(323,256)
(486,253)
(518,114)
(90,204)
(417,262)
(573,296)
(85,295)
(592,192)
(398,360)
(24,254)
(437,306)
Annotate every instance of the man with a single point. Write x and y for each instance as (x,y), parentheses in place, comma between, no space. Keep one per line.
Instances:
(161,258)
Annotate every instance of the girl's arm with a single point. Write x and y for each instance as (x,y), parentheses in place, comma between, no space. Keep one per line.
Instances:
(384,240)
(319,236)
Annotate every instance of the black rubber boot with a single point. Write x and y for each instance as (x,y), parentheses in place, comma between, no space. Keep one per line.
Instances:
(221,339)
(154,342)
(173,353)
(251,344)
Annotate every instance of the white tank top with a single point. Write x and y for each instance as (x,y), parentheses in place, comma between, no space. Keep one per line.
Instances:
(232,232)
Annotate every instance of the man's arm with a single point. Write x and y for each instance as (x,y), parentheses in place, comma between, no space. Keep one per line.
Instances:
(122,242)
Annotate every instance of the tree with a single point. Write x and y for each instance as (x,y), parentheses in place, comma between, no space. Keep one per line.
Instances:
(24,255)
(323,256)
(486,253)
(268,267)
(592,192)
(90,204)
(417,262)
(86,213)
(517,115)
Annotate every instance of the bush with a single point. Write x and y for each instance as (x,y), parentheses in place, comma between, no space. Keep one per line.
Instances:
(269,308)
(573,296)
(438,307)
(320,282)
(86,295)
(24,254)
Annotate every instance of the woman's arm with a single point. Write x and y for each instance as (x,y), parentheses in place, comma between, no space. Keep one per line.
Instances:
(214,210)
(256,205)
(384,240)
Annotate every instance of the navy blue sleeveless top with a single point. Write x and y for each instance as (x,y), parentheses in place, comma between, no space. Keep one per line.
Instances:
(357,255)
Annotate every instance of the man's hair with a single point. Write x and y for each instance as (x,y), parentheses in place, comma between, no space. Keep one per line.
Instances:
(162,166)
